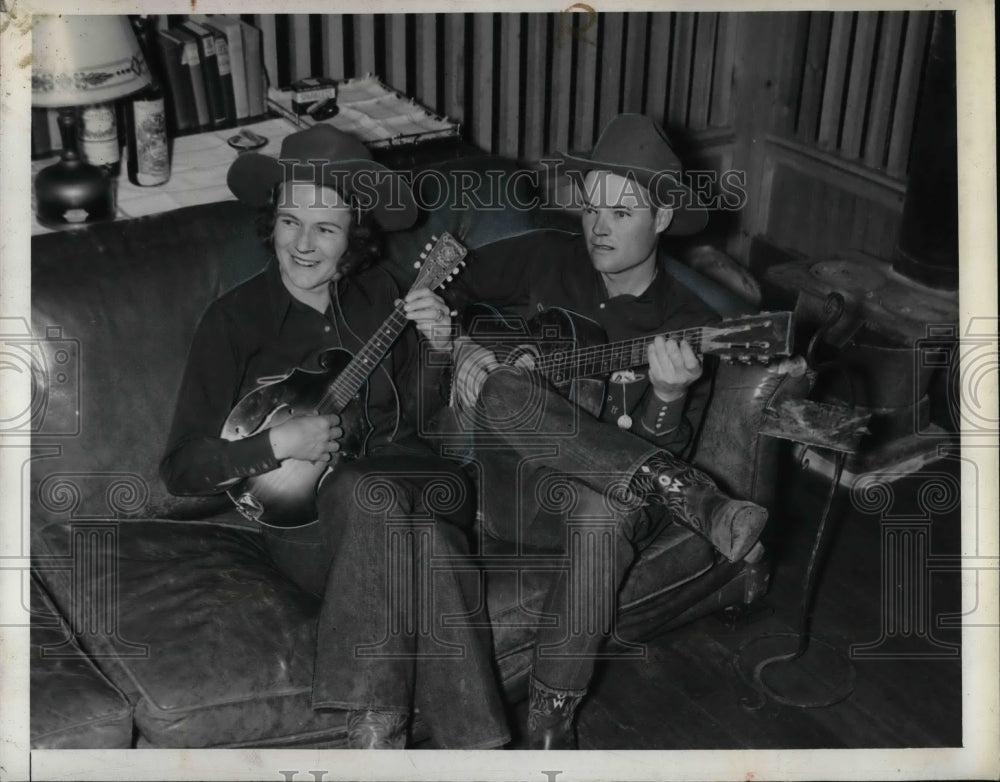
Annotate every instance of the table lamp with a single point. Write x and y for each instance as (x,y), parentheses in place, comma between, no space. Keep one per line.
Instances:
(80,60)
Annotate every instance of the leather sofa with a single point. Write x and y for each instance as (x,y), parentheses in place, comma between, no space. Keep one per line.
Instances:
(160,621)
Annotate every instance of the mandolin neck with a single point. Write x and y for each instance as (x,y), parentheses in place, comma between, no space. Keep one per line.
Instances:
(350,380)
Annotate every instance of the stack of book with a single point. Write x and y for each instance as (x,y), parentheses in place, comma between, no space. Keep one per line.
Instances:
(214,72)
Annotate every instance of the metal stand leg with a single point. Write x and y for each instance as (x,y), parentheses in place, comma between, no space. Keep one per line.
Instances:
(817,558)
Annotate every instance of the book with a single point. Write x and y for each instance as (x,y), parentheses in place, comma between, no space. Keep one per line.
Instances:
(210,71)
(225,59)
(182,116)
(192,58)
(230,25)
(253,57)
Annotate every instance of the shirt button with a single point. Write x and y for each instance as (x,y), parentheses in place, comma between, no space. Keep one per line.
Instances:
(326,329)
(602,305)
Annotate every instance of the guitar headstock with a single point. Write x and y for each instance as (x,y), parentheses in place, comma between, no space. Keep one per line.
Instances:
(439,261)
(752,337)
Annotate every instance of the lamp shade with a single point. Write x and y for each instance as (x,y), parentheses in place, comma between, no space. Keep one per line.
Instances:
(78,60)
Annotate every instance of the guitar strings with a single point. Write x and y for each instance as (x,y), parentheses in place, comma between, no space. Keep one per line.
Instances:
(600,353)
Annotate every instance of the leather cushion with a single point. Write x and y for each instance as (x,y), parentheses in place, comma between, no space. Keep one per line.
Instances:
(221,643)
(73,705)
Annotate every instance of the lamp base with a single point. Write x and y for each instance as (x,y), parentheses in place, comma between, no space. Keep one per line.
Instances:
(71,193)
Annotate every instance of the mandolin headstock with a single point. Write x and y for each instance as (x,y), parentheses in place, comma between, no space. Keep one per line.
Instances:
(439,262)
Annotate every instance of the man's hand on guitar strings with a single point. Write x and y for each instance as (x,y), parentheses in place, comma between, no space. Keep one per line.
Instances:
(430,315)
(311,438)
(672,368)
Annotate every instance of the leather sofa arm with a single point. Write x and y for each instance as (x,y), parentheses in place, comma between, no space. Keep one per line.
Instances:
(731,446)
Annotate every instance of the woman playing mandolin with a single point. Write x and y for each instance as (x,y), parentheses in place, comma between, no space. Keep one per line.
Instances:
(346,420)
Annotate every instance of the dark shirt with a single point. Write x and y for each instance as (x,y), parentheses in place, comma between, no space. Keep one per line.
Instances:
(258,333)
(544,269)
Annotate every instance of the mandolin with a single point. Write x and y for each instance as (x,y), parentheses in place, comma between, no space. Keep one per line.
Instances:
(286,497)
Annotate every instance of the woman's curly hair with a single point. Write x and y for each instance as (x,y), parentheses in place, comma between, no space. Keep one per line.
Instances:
(365,242)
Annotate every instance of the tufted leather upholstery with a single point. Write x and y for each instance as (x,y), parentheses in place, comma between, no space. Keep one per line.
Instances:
(210,645)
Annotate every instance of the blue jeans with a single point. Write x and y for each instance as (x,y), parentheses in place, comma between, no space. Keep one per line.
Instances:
(548,481)
(399,626)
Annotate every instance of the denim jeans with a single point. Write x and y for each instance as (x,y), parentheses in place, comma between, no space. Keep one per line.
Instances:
(548,482)
(398,628)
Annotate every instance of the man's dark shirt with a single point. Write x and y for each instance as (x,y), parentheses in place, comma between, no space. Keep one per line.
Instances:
(544,269)
(259,332)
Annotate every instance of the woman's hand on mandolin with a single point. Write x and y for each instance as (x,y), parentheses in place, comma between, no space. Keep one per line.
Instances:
(430,315)
(311,438)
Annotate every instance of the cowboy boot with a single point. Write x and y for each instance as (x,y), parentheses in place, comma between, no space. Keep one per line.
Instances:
(694,500)
(376,730)
(550,716)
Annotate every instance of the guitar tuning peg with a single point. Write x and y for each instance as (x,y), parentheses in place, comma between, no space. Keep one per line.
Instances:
(449,278)
(461,263)
(416,264)
(423,256)
(762,359)
(434,237)
(428,246)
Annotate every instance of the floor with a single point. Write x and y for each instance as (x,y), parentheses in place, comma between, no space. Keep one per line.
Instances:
(688,694)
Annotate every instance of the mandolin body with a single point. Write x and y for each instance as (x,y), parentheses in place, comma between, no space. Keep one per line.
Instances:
(286,497)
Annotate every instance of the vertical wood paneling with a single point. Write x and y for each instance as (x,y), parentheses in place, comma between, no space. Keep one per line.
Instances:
(858,85)
(794,31)
(266,24)
(680,70)
(395,52)
(426,58)
(333,46)
(917,27)
(301,47)
(482,80)
(364,44)
(720,113)
(635,62)
(612,40)
(586,73)
(510,84)
(701,76)
(561,96)
(814,74)
(534,87)
(880,113)
(659,65)
(454,66)
(836,77)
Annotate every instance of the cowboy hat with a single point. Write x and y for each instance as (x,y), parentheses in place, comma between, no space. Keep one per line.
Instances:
(635,146)
(326,156)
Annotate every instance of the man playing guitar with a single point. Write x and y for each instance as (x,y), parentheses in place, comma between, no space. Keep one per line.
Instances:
(324,290)
(623,463)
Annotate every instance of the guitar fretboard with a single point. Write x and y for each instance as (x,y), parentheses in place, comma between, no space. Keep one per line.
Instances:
(354,375)
(604,359)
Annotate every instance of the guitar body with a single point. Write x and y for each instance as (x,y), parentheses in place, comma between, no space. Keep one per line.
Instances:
(286,497)
(549,336)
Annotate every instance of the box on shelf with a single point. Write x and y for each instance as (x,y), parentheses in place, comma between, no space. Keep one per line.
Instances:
(312,90)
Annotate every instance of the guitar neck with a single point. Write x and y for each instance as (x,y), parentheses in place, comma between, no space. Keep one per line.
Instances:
(342,390)
(605,359)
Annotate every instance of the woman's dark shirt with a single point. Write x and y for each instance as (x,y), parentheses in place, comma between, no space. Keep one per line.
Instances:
(258,332)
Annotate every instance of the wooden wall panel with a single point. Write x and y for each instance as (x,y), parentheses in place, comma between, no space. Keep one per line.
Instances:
(611,55)
(914,53)
(658,73)
(745,88)
(635,62)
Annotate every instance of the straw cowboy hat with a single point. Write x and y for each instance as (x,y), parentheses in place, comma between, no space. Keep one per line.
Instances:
(635,146)
(326,156)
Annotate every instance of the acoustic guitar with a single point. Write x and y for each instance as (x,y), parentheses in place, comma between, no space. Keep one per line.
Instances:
(286,497)
(573,353)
